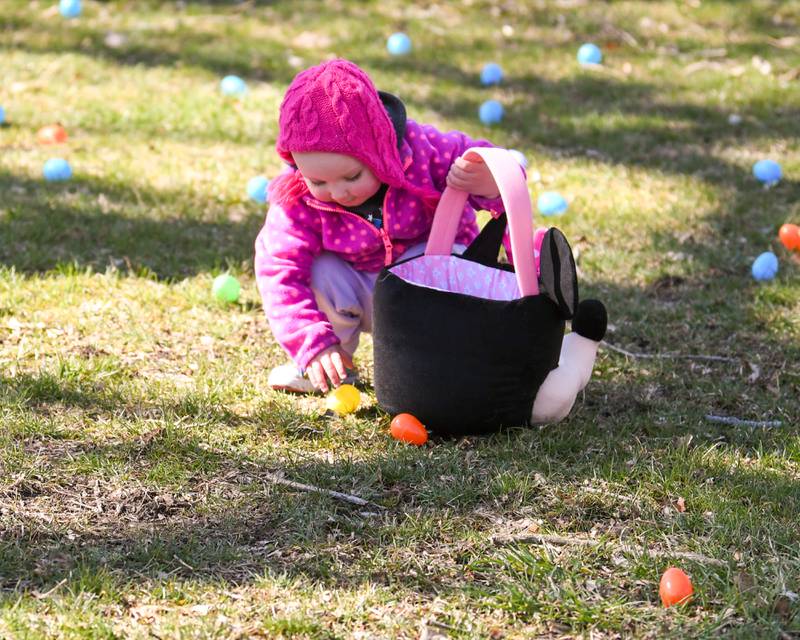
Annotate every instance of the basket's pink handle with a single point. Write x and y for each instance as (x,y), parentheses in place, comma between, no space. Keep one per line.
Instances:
(514,193)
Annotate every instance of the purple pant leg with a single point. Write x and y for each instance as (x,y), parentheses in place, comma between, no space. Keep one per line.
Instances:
(344,294)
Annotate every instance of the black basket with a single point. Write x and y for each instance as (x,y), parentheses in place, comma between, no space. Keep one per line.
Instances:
(464,364)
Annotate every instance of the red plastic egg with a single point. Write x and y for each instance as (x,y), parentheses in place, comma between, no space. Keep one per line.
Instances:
(675,587)
(407,428)
(790,236)
(51,134)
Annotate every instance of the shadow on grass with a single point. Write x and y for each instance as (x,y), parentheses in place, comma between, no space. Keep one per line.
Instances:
(91,223)
(653,133)
(174,39)
(167,503)
(674,138)
(225,53)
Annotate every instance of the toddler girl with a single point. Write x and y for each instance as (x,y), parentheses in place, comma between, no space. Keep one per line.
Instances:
(360,192)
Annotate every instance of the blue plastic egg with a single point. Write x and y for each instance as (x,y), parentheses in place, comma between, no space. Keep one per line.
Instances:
(70,8)
(519,157)
(257,189)
(398,44)
(57,170)
(2,115)
(590,54)
(232,86)
(767,171)
(765,266)
(551,203)
(491,74)
(491,112)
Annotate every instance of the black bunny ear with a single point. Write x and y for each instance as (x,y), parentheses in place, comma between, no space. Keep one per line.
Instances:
(557,272)
(397,114)
(486,246)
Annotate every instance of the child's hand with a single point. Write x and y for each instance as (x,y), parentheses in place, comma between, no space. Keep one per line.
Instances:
(331,363)
(472,176)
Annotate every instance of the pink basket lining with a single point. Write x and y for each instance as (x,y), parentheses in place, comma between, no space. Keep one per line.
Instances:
(456,275)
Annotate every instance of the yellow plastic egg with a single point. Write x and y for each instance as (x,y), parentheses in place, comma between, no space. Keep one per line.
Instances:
(343,399)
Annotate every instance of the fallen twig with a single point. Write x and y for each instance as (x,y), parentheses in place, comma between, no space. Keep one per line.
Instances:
(738,422)
(188,566)
(41,596)
(707,53)
(561,541)
(701,65)
(676,356)
(346,497)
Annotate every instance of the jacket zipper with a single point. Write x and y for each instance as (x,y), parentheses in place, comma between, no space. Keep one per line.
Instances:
(387,243)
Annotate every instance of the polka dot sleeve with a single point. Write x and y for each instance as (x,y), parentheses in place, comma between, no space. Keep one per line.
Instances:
(285,249)
(444,149)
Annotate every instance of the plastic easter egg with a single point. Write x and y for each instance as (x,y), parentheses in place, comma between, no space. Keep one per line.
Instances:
(226,288)
(398,44)
(257,189)
(2,115)
(70,8)
(491,74)
(491,112)
(551,203)
(519,157)
(675,587)
(765,266)
(343,399)
(790,236)
(57,170)
(767,171)
(51,134)
(407,428)
(590,54)
(232,86)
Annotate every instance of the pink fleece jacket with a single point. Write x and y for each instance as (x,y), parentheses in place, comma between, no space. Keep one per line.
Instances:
(297,231)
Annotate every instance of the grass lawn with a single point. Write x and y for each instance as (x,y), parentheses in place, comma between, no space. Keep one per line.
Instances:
(140,445)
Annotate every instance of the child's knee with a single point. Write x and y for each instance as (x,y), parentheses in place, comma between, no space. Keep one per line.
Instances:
(326,270)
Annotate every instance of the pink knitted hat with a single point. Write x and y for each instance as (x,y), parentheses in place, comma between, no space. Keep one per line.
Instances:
(334,107)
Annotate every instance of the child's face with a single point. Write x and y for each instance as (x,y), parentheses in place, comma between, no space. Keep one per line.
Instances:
(334,177)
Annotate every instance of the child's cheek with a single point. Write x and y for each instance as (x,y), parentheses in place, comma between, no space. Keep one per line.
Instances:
(320,193)
(368,187)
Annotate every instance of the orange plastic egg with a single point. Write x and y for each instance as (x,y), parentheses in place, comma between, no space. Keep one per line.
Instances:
(675,587)
(407,428)
(790,236)
(51,134)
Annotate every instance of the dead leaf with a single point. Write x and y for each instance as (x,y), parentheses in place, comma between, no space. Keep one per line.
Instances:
(790,75)
(201,609)
(785,43)
(785,605)
(429,633)
(680,505)
(684,441)
(744,581)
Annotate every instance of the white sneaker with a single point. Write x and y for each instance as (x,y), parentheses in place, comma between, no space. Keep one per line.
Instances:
(287,377)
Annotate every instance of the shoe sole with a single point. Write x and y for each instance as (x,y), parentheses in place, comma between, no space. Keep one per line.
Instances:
(294,390)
